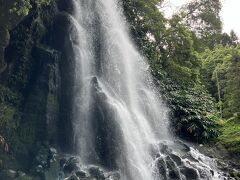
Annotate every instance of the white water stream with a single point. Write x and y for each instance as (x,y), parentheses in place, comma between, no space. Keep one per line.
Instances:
(119,118)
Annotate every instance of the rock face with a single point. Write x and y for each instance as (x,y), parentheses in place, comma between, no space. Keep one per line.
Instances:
(36,62)
(4,42)
(8,21)
(177,161)
(42,103)
(62,167)
(107,131)
(62,42)
(72,169)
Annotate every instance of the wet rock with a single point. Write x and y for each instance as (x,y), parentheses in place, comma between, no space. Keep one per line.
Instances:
(190,158)
(113,176)
(4,42)
(52,155)
(71,165)
(176,159)
(222,165)
(190,173)
(96,172)
(39,169)
(1,164)
(53,150)
(161,168)
(81,174)
(204,174)
(48,55)
(8,174)
(66,5)
(20,174)
(182,146)
(212,172)
(5,37)
(173,171)
(41,159)
(62,26)
(73,177)
(62,162)
(235,174)
(63,42)
(164,148)
(108,136)
(61,175)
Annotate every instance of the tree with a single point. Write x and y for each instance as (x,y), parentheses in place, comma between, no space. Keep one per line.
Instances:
(202,17)
(232,88)
(169,46)
(220,75)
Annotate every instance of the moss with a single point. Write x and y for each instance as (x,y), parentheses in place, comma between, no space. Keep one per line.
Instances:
(25,90)
(9,121)
(230,135)
(9,126)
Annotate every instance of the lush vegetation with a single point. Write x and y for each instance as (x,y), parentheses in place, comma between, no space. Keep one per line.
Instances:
(195,64)
(22,7)
(220,74)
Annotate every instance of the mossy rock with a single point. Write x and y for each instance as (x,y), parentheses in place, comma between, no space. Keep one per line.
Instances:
(24,178)
(8,174)
(5,37)
(66,5)
(1,164)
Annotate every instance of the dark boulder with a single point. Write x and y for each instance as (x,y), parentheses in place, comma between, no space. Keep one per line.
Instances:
(96,172)
(81,174)
(190,173)
(8,174)
(73,177)
(61,40)
(173,171)
(107,131)
(176,159)
(66,5)
(115,175)
(161,168)
(71,165)
(62,27)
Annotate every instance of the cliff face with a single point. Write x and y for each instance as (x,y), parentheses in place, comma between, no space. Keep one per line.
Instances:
(35,65)
(8,21)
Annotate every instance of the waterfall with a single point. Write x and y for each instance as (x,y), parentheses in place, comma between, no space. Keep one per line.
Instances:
(118,117)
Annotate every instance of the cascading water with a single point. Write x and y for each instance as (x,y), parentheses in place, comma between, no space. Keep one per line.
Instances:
(119,118)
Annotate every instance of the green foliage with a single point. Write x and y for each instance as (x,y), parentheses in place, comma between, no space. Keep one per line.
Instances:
(22,7)
(8,120)
(221,66)
(184,60)
(169,46)
(147,25)
(214,62)
(230,135)
(202,17)
(42,2)
(21,48)
(24,37)
(180,55)
(221,75)
(194,115)
(232,87)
